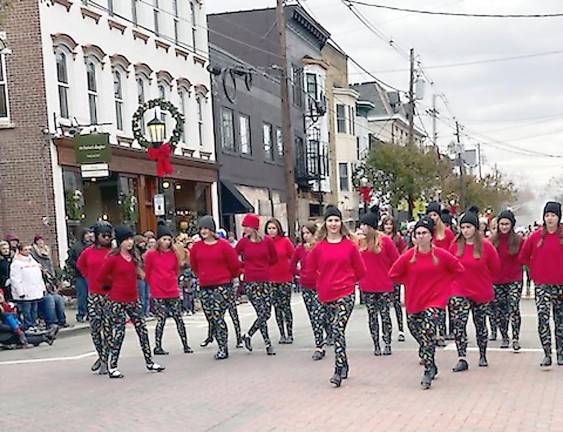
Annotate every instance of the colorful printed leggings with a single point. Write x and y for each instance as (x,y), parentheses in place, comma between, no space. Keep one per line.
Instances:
(231,299)
(317,316)
(550,297)
(460,307)
(100,324)
(423,327)
(396,300)
(377,303)
(281,300)
(507,304)
(164,308)
(215,301)
(119,313)
(259,295)
(339,312)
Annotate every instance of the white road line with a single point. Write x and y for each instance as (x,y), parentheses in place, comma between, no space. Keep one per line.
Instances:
(49,359)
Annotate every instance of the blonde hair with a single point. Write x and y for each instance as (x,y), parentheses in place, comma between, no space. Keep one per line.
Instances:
(322,233)
(259,235)
(312,228)
(372,241)
(434,257)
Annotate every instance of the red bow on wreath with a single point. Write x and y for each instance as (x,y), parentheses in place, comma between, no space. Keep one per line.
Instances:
(162,157)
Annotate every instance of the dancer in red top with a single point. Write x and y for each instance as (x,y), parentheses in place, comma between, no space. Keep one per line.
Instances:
(89,264)
(389,226)
(162,266)
(379,253)
(280,278)
(258,254)
(119,275)
(472,290)
(543,254)
(426,272)
(442,238)
(308,282)
(338,265)
(508,282)
(215,262)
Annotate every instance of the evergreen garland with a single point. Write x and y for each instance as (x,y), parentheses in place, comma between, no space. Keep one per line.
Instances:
(164,105)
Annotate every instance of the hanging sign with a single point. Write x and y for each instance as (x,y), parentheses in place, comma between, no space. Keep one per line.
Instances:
(92,149)
(158,204)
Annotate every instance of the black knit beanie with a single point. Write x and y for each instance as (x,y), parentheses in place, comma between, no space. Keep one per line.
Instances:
(446,216)
(123,232)
(207,222)
(507,214)
(470,218)
(425,222)
(433,206)
(163,230)
(332,211)
(552,207)
(102,227)
(371,219)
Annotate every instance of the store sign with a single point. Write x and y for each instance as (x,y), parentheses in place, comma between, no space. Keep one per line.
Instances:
(94,170)
(92,148)
(158,202)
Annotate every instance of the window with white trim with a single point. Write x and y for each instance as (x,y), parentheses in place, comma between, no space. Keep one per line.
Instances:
(199,102)
(182,107)
(141,97)
(279,142)
(163,115)
(343,177)
(156,18)
(340,118)
(63,86)
(118,96)
(244,132)
(227,129)
(267,140)
(4,111)
(92,91)
(194,25)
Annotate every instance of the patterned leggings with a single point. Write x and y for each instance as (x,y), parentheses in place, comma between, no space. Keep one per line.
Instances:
(100,324)
(215,301)
(396,300)
(423,327)
(460,307)
(281,300)
(119,313)
(164,308)
(317,316)
(259,295)
(507,300)
(377,303)
(339,312)
(231,299)
(550,297)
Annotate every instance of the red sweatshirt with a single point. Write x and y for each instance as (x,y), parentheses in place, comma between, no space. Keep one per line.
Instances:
(121,275)
(215,264)
(377,265)
(546,261)
(307,279)
(89,264)
(400,243)
(338,267)
(279,272)
(510,265)
(257,258)
(446,242)
(161,273)
(427,285)
(476,283)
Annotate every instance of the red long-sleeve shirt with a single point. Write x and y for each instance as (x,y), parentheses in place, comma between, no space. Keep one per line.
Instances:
(257,258)
(427,285)
(338,267)
(476,283)
(510,265)
(307,278)
(399,243)
(377,267)
(214,264)
(89,264)
(161,273)
(121,276)
(280,272)
(446,242)
(546,261)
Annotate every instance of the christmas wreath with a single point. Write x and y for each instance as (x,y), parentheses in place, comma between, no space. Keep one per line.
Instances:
(164,105)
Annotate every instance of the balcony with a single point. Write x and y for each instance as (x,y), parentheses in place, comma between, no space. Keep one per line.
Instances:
(311,162)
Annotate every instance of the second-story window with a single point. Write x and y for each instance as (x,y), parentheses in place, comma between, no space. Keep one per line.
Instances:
(227,130)
(162,95)
(244,131)
(297,78)
(268,150)
(341,118)
(199,101)
(343,177)
(156,18)
(182,107)
(134,12)
(4,112)
(63,84)
(312,90)
(141,97)
(279,142)
(118,96)
(351,121)
(92,91)
(193,15)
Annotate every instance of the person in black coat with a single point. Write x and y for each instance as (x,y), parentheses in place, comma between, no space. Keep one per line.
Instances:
(85,240)
(5,261)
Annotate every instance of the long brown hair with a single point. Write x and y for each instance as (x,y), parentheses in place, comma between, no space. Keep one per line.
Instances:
(514,240)
(394,232)
(477,244)
(440,229)
(544,233)
(278,225)
(372,241)
(178,250)
(312,228)
(134,257)
(322,232)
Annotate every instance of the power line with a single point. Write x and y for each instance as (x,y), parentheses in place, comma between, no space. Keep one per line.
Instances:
(456,14)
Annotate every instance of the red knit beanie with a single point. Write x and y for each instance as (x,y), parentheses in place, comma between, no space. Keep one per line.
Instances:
(251,221)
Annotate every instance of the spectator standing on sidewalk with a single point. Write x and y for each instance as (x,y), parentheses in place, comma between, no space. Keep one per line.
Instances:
(142,286)
(85,239)
(14,243)
(5,262)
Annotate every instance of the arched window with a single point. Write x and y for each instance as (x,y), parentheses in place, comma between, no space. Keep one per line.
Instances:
(163,115)
(92,91)
(63,84)
(199,101)
(182,96)
(118,95)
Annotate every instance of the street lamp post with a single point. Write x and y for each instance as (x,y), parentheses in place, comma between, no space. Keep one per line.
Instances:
(156,129)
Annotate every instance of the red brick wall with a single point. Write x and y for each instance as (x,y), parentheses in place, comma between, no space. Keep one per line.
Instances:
(26,183)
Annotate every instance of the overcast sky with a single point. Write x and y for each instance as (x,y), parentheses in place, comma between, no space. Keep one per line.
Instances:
(518,102)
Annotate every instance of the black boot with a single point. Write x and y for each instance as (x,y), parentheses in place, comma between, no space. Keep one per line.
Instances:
(434,371)
(376,350)
(188,349)
(493,336)
(289,339)
(387,350)
(247,342)
(159,351)
(337,377)
(426,380)
(96,366)
(461,366)
(344,371)
(546,362)
(505,343)
(222,355)
(401,337)
(560,359)
(483,361)
(239,342)
(318,354)
(270,350)
(516,345)
(206,342)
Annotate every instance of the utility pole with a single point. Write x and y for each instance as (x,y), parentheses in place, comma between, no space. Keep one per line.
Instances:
(411,99)
(479,160)
(461,167)
(288,157)
(434,116)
